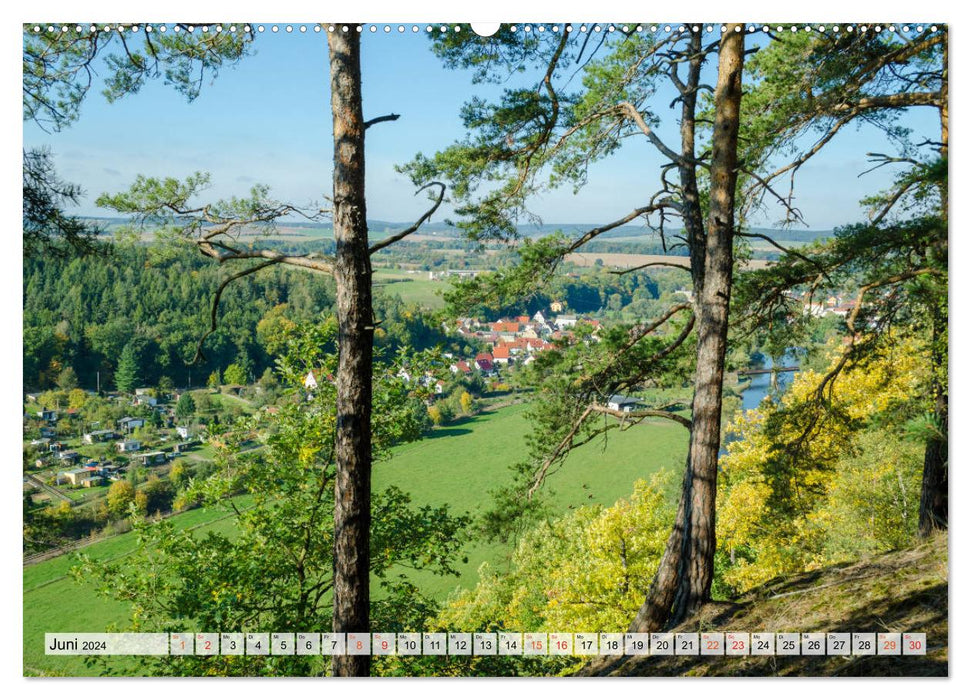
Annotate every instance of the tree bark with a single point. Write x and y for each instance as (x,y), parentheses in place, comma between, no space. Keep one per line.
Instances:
(352,272)
(685,573)
(698,554)
(691,213)
(933,492)
(934,486)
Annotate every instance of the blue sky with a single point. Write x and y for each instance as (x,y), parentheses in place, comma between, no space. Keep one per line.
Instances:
(267,120)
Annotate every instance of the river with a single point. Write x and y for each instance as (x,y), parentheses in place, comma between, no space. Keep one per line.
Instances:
(760,385)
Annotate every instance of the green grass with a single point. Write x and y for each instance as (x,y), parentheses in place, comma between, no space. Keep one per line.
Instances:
(460,464)
(55,602)
(412,289)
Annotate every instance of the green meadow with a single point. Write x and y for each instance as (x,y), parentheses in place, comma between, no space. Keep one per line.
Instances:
(411,289)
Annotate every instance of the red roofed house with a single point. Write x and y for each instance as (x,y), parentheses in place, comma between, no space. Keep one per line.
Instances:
(461,366)
(504,327)
(500,354)
(483,361)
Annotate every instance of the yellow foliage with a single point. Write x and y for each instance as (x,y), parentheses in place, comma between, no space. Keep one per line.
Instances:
(780,513)
(76,398)
(587,571)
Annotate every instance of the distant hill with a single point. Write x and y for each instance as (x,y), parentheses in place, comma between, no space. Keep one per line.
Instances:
(378,227)
(903,591)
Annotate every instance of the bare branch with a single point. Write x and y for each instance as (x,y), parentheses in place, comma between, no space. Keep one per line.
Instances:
(208,248)
(787,251)
(641,211)
(414,227)
(881,159)
(566,444)
(650,264)
(563,445)
(377,120)
(638,119)
(894,198)
(896,101)
(643,413)
(213,323)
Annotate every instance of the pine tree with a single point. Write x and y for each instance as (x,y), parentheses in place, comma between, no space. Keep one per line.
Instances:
(127,374)
(186,406)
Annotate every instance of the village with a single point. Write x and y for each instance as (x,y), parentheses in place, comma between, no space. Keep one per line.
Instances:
(69,454)
(514,341)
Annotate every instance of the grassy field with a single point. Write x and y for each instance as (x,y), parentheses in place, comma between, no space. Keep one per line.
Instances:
(457,465)
(55,602)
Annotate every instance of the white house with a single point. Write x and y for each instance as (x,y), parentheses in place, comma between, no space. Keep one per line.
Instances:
(566,321)
(183,431)
(310,381)
(98,436)
(626,404)
(128,423)
(128,445)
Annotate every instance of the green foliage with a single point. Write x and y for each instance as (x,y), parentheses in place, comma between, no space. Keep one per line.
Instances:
(128,373)
(47,230)
(121,495)
(235,374)
(82,313)
(180,474)
(787,504)
(185,407)
(165,386)
(239,582)
(808,83)
(215,379)
(159,495)
(585,571)
(67,379)
(58,66)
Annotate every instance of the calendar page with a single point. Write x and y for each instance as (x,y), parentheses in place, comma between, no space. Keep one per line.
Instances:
(449,349)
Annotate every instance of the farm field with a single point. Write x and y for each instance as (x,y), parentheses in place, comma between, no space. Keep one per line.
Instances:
(412,289)
(625,260)
(458,471)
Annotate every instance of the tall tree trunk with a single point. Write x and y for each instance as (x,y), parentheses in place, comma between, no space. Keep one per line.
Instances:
(657,607)
(684,577)
(933,493)
(691,213)
(352,272)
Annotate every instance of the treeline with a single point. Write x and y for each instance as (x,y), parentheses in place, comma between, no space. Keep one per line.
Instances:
(155,301)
